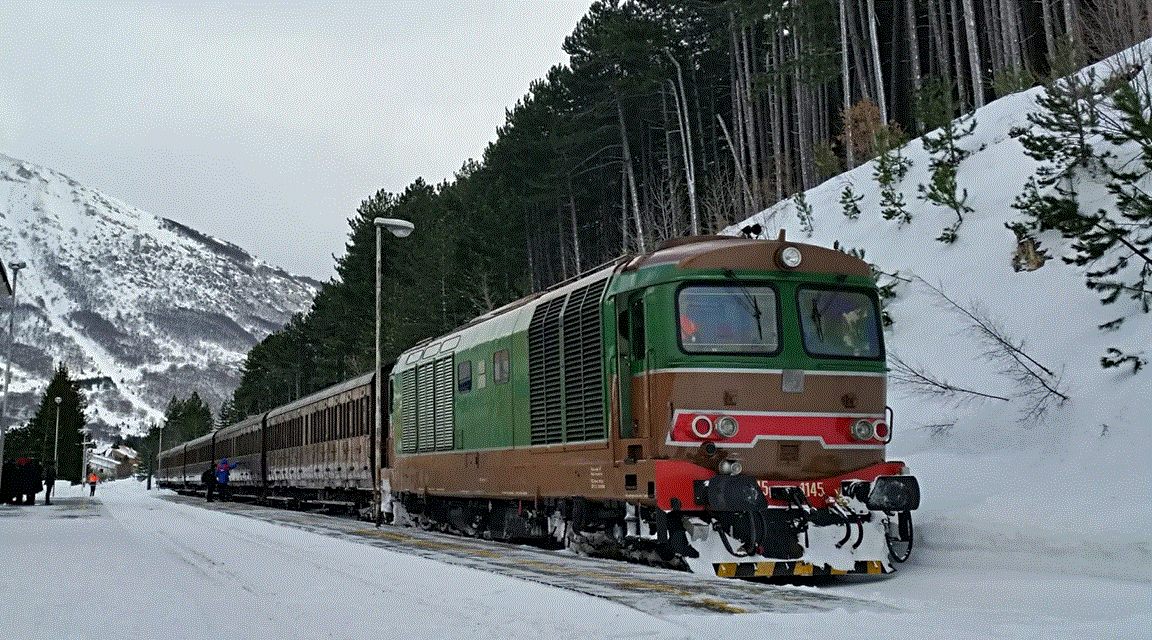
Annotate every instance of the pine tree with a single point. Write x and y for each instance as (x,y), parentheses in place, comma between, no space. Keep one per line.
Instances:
(1129,122)
(1058,139)
(803,212)
(1073,111)
(850,202)
(891,167)
(42,439)
(945,156)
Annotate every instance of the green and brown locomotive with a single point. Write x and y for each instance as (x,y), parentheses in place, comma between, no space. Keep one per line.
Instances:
(716,404)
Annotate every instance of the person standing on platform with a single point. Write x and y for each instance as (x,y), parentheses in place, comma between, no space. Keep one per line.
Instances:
(222,478)
(209,480)
(49,482)
(8,483)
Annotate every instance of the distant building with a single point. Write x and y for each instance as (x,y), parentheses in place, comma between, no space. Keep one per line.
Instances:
(113,462)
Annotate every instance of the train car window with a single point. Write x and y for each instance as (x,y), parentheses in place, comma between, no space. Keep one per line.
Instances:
(839,323)
(501,366)
(464,376)
(728,319)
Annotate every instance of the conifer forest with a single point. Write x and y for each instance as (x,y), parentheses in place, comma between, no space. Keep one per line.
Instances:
(671,119)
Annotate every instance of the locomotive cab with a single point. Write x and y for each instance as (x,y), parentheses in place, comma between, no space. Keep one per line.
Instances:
(755,385)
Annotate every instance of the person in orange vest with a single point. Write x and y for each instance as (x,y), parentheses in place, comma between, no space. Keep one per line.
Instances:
(92,480)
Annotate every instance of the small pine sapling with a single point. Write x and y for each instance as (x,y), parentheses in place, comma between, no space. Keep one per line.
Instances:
(850,202)
(804,213)
(891,167)
(944,163)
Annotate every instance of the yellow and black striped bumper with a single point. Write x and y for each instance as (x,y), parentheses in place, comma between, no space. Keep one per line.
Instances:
(765,569)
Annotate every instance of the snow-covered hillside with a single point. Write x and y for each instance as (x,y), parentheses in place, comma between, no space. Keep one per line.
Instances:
(1070,489)
(139,307)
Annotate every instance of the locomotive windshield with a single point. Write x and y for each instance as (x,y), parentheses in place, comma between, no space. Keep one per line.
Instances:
(839,323)
(728,319)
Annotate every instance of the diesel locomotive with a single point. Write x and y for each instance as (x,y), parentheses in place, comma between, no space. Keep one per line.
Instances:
(717,404)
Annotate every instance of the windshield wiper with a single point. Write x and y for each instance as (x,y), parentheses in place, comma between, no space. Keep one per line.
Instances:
(752,302)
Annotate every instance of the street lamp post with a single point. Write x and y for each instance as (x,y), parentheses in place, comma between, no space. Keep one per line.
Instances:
(85,444)
(15,267)
(400,229)
(56,447)
(159,447)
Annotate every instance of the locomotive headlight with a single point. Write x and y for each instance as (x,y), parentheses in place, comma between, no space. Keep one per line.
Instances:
(702,427)
(730,467)
(862,430)
(727,426)
(790,257)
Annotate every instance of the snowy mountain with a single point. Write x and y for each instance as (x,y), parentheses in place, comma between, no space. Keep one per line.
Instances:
(1067,490)
(140,308)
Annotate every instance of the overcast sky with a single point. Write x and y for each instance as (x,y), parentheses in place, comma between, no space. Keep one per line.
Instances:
(266,124)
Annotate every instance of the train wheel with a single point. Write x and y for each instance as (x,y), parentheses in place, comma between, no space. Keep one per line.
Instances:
(899,536)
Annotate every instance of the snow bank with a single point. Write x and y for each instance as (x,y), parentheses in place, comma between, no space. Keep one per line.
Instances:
(1068,492)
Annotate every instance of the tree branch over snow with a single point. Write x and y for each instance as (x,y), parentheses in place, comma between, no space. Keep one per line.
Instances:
(922,383)
(1037,385)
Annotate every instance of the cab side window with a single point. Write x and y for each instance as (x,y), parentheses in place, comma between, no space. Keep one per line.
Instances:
(501,366)
(464,376)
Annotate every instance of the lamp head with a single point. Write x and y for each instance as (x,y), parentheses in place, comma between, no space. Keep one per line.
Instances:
(58,399)
(399,228)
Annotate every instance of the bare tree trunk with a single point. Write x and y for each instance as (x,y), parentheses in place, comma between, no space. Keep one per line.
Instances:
(894,55)
(957,70)
(785,118)
(777,120)
(532,288)
(575,228)
(1008,29)
(631,177)
(560,233)
(1072,28)
(787,87)
(737,100)
(1014,32)
(880,101)
(750,120)
(938,46)
(995,46)
(861,65)
(736,159)
(1049,36)
(974,53)
(686,143)
(914,56)
(846,87)
(802,99)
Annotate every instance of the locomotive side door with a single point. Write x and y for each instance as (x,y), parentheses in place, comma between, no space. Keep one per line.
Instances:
(632,369)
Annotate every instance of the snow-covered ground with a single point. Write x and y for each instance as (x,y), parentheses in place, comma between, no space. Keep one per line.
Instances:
(130,565)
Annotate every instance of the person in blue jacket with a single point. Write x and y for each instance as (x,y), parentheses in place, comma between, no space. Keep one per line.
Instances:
(222,487)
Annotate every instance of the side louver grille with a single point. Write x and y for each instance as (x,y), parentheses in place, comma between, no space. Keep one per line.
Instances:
(545,373)
(565,369)
(583,371)
(445,425)
(408,411)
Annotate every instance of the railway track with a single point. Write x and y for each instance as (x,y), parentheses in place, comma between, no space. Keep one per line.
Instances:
(653,590)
